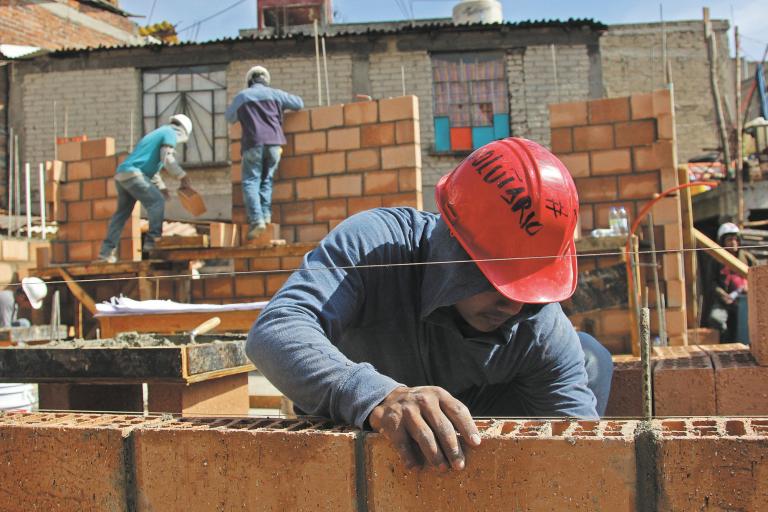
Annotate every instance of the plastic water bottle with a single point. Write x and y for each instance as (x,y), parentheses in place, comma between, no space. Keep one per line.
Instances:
(623,221)
(613,220)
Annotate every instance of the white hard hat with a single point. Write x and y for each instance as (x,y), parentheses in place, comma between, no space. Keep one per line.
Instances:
(183,121)
(257,72)
(728,228)
(35,289)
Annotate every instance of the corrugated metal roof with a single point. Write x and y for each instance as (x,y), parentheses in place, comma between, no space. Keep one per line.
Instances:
(358,29)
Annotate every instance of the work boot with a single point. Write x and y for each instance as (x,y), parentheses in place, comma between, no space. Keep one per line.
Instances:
(255,230)
(108,258)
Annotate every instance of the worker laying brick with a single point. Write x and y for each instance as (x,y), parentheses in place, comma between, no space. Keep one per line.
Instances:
(19,301)
(138,179)
(259,108)
(389,323)
(725,286)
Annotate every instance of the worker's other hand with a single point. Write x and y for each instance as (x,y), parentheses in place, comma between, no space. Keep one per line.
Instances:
(426,417)
(185,182)
(166,194)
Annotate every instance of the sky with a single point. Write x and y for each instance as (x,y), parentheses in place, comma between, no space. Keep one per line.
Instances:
(195,20)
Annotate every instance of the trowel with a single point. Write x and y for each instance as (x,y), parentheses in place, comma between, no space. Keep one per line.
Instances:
(204,327)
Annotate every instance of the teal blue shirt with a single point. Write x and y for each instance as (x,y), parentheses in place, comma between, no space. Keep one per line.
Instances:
(145,157)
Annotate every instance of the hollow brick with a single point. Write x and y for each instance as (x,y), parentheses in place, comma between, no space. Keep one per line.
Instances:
(740,383)
(642,106)
(313,188)
(80,170)
(568,114)
(361,204)
(295,167)
(576,163)
(276,281)
(311,233)
(250,286)
(380,182)
(282,191)
(235,131)
(561,140)
(98,148)
(684,386)
(635,133)
(345,186)
(327,117)
(94,189)
(104,167)
(295,122)
(234,151)
(639,185)
(363,160)
(395,109)
(361,112)
(587,138)
(80,251)
(409,180)
(758,313)
(396,157)
(407,132)
(596,189)
(377,135)
(330,209)
(609,110)
(408,199)
(666,127)
(70,191)
(298,212)
(667,211)
(312,142)
(219,287)
(341,139)
(79,211)
(329,163)
(614,161)
(69,151)
(626,398)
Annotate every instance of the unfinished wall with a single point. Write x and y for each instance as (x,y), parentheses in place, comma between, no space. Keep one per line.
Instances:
(632,63)
(621,151)
(86,200)
(341,160)
(76,461)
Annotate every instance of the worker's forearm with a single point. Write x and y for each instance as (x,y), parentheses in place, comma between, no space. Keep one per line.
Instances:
(170,164)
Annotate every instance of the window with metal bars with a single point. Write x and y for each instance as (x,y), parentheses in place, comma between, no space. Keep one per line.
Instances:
(471,100)
(200,92)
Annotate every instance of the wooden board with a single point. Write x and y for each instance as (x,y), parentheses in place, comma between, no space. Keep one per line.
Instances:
(135,364)
(169,323)
(236,252)
(182,242)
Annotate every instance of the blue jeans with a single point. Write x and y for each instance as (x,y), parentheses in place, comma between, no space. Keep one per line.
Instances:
(503,399)
(258,169)
(140,189)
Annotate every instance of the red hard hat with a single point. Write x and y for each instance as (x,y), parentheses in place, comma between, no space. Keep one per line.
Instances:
(513,199)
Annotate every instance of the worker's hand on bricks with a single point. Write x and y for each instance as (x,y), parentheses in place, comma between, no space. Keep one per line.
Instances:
(166,194)
(426,417)
(185,182)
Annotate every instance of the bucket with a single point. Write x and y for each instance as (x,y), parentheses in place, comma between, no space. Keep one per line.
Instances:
(18,397)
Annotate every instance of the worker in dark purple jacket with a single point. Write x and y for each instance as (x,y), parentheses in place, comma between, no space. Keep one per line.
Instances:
(259,108)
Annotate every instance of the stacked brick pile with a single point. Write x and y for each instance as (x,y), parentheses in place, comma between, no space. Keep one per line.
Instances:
(340,160)
(622,151)
(86,199)
(107,462)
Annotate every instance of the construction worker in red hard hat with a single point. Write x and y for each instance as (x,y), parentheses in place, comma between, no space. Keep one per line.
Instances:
(410,322)
(724,286)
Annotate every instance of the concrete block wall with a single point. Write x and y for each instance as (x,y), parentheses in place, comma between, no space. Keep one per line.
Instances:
(84,199)
(88,462)
(340,160)
(621,152)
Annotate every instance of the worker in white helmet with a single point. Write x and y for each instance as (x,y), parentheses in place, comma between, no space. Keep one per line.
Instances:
(259,108)
(138,179)
(29,295)
(725,286)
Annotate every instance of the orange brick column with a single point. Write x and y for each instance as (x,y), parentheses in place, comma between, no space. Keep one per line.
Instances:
(87,200)
(340,160)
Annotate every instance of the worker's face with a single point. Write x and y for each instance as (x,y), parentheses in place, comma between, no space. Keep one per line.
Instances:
(487,311)
(23,301)
(731,243)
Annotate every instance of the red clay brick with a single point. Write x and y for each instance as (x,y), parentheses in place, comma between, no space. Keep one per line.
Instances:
(250,285)
(666,126)
(381,182)
(613,161)
(219,287)
(635,133)
(396,157)
(568,466)
(740,384)
(312,142)
(395,109)
(313,188)
(265,463)
(409,180)
(327,117)
(684,386)
(298,213)
(103,167)
(69,151)
(311,233)
(79,211)
(295,167)
(673,237)
(586,217)
(361,204)
(409,199)
(330,209)
(645,159)
(711,464)
(295,122)
(264,263)
(342,139)
(758,313)
(576,163)
(344,186)
(596,189)
(111,189)
(283,191)
(642,106)
(289,146)
(70,191)
(98,148)
(626,398)
(329,163)
(666,211)
(363,160)
(639,185)
(236,172)
(79,170)
(234,151)
(662,102)
(562,140)
(611,110)
(587,138)
(568,114)
(80,251)
(361,112)
(407,132)
(276,281)
(235,131)
(94,189)
(377,135)
(104,208)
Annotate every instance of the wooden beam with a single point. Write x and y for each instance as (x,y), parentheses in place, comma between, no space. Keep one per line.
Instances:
(95,269)
(80,294)
(690,260)
(182,242)
(720,254)
(169,323)
(235,252)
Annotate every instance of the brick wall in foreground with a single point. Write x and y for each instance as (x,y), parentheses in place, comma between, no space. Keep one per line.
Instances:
(340,160)
(57,461)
